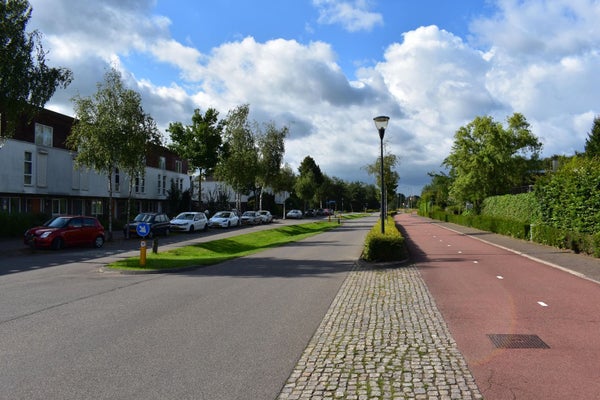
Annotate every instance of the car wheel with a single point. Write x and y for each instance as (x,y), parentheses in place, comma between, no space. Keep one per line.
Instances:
(191,229)
(99,242)
(57,244)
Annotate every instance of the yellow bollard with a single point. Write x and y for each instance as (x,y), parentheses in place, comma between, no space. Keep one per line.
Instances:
(143,253)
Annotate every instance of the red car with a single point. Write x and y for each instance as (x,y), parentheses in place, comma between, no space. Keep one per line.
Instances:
(65,231)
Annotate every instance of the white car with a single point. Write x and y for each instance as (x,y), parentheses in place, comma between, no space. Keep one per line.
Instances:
(189,222)
(294,214)
(266,216)
(224,219)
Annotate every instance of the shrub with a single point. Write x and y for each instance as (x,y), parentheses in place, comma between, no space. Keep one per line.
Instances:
(384,247)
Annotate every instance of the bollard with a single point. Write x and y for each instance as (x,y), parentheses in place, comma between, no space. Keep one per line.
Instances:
(155,245)
(143,253)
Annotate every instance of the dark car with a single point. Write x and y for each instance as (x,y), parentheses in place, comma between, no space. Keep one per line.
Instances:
(159,224)
(63,231)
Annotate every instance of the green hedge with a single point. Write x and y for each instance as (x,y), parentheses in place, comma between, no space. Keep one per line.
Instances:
(387,247)
(14,225)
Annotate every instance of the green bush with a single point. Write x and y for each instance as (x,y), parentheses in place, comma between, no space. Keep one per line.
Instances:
(14,225)
(522,207)
(384,247)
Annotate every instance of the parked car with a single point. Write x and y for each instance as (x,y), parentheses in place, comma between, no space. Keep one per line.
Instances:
(251,218)
(189,222)
(297,214)
(159,223)
(266,216)
(224,219)
(309,213)
(59,232)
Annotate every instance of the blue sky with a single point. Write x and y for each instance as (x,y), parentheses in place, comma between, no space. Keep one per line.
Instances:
(325,68)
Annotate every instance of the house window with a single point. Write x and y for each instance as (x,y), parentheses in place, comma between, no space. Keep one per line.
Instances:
(28,168)
(43,135)
(140,182)
(97,207)
(162,163)
(178,166)
(59,206)
(159,183)
(117,180)
(164,185)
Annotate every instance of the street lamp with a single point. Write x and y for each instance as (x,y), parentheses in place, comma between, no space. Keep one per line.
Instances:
(381,123)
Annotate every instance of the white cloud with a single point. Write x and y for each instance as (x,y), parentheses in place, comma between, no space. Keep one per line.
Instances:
(536,57)
(353,16)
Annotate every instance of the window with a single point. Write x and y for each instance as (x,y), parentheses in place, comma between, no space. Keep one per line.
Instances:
(140,183)
(159,183)
(43,135)
(28,168)
(97,207)
(117,179)
(164,185)
(59,206)
(162,163)
(178,166)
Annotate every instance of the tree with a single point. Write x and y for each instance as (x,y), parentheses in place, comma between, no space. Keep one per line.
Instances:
(391,177)
(271,148)
(488,159)
(592,143)
(26,82)
(437,192)
(201,143)
(239,164)
(111,132)
(308,182)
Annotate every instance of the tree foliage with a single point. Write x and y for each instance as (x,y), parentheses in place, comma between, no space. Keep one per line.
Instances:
(271,148)
(390,175)
(112,131)
(309,180)
(592,143)
(487,159)
(201,143)
(26,81)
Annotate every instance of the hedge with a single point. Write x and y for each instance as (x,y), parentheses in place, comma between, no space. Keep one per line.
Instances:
(384,247)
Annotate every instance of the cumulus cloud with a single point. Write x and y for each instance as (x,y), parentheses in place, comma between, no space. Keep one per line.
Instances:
(538,57)
(353,16)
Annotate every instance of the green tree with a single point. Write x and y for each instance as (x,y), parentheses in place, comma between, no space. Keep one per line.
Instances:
(309,180)
(438,191)
(26,82)
(487,159)
(390,176)
(240,162)
(592,143)
(271,148)
(201,143)
(112,132)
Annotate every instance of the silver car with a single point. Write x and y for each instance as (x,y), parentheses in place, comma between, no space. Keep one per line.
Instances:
(189,222)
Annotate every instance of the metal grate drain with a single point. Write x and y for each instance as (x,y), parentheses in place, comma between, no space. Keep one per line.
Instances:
(514,341)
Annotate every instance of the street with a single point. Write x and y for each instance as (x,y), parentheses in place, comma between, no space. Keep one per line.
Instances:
(230,331)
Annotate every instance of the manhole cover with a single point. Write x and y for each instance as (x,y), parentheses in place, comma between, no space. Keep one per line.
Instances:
(514,341)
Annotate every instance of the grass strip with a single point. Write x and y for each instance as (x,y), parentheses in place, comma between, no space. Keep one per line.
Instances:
(216,251)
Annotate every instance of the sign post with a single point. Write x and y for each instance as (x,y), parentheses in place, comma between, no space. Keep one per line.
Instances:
(142,229)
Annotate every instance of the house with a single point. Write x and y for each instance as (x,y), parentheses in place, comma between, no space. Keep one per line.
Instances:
(38,174)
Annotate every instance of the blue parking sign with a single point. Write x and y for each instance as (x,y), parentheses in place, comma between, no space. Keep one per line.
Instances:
(142,229)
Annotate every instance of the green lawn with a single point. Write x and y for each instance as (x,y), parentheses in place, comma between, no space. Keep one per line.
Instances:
(220,250)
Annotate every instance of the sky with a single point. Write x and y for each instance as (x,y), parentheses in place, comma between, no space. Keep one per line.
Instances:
(326,68)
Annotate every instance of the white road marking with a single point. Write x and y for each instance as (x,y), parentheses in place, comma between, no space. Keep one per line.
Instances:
(499,277)
(459,252)
(475,262)
(541,303)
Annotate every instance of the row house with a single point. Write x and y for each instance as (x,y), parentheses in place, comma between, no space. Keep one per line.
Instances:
(38,174)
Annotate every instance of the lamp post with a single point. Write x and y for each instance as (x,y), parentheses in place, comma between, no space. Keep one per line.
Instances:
(381,123)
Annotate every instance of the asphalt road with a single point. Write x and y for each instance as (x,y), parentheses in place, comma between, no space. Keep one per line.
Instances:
(229,331)
(484,290)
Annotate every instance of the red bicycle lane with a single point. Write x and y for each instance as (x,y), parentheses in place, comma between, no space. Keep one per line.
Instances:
(485,292)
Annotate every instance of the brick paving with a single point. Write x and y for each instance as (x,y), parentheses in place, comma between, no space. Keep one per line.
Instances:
(382,338)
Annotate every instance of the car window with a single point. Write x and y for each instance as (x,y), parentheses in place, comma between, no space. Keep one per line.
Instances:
(76,223)
(59,222)
(90,222)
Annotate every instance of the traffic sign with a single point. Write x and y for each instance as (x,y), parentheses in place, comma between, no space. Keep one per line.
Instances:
(142,229)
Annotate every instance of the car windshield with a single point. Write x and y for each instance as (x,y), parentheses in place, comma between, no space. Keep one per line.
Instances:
(222,215)
(188,216)
(143,218)
(248,214)
(59,222)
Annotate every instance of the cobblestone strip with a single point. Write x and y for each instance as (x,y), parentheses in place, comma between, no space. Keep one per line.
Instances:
(382,338)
